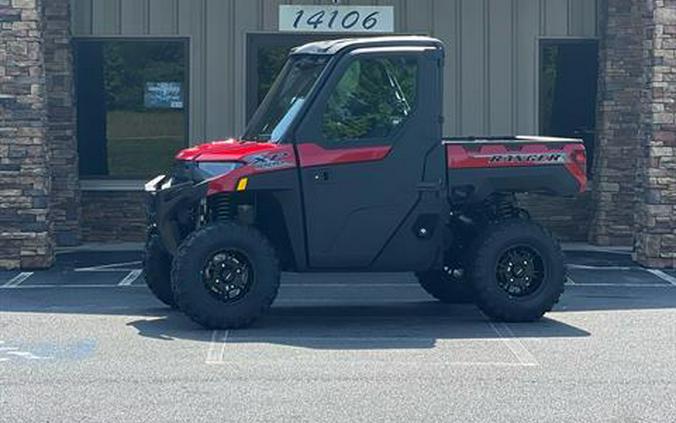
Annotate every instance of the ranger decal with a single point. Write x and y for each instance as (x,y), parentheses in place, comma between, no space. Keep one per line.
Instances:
(543,158)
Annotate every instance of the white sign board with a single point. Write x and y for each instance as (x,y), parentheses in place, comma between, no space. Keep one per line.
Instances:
(336,18)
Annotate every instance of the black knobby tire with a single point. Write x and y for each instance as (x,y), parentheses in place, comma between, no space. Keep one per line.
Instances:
(446,288)
(535,300)
(157,270)
(198,302)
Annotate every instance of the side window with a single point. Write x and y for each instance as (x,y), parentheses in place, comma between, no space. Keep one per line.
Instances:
(372,99)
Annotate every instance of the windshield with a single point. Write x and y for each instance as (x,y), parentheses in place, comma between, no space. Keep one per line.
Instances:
(285,98)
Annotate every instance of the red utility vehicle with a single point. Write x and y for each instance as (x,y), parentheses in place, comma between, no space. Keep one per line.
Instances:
(344,168)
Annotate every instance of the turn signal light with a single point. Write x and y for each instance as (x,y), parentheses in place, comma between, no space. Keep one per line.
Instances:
(241,185)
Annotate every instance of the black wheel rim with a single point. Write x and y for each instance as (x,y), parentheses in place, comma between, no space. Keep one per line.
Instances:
(228,275)
(520,271)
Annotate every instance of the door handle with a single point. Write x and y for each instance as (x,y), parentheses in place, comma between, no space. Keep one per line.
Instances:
(430,186)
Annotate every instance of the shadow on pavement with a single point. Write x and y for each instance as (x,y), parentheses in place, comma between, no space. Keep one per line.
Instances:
(397,326)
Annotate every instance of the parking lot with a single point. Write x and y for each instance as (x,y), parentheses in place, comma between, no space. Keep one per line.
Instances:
(85,341)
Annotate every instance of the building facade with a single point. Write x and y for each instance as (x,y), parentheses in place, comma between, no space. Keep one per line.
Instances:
(96,96)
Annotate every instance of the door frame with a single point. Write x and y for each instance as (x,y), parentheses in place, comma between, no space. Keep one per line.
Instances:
(381,261)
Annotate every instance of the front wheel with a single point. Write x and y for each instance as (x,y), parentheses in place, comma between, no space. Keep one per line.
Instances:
(157,270)
(518,271)
(225,275)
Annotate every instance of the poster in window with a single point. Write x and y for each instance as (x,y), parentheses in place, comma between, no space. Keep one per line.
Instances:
(163,95)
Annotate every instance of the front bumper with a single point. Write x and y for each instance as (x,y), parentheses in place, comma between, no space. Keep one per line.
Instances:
(171,208)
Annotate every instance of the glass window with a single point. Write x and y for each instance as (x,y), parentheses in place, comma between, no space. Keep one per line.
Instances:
(372,99)
(270,61)
(131,106)
(568,85)
(285,98)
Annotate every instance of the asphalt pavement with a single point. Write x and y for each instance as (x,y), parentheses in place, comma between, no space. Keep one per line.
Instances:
(86,341)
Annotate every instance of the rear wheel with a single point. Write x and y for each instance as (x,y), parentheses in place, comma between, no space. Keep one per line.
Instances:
(518,271)
(225,275)
(157,270)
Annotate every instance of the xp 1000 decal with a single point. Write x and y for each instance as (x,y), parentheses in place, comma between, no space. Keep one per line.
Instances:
(273,160)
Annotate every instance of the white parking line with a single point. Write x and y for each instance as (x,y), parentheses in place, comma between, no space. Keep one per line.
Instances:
(587,267)
(17,280)
(69,286)
(513,344)
(217,347)
(621,285)
(113,267)
(662,275)
(130,278)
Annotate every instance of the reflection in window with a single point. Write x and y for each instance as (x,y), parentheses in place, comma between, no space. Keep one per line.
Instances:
(285,98)
(371,100)
(131,98)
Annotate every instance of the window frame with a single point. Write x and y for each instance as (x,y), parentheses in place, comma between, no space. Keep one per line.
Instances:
(548,41)
(103,183)
(310,125)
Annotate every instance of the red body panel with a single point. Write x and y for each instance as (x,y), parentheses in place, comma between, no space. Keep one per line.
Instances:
(256,160)
(259,157)
(227,151)
(469,156)
(314,155)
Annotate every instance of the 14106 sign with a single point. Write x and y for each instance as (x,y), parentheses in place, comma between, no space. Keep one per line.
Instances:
(336,18)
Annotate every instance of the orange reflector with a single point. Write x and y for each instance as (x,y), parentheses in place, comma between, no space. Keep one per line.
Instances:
(241,185)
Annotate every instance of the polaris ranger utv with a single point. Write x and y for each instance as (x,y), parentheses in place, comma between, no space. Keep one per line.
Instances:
(344,168)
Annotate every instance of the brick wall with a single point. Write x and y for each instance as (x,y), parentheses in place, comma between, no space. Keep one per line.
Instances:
(25,229)
(113,216)
(618,114)
(656,209)
(65,193)
(567,218)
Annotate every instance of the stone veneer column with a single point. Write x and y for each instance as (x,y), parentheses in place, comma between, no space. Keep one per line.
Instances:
(655,240)
(58,56)
(618,117)
(25,229)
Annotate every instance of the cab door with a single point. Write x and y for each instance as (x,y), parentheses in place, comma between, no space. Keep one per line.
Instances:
(371,162)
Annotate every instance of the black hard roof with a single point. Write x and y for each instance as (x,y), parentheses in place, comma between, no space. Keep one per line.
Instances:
(330,47)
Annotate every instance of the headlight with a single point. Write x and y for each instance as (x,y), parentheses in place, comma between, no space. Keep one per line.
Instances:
(211,169)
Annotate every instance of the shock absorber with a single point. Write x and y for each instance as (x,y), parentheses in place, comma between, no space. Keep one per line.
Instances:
(504,207)
(221,207)
(500,207)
